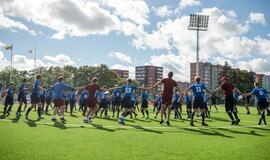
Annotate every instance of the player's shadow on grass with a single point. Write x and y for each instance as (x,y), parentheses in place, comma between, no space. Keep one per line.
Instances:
(3,116)
(252,132)
(260,128)
(220,119)
(31,123)
(206,132)
(145,129)
(101,127)
(60,125)
(15,120)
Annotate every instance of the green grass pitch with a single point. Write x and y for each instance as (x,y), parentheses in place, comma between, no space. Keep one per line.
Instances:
(139,139)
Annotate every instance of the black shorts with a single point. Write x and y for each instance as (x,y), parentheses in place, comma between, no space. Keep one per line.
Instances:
(9,101)
(229,103)
(22,98)
(262,103)
(104,104)
(42,99)
(117,101)
(214,102)
(188,105)
(144,104)
(198,103)
(126,102)
(48,100)
(35,98)
(175,105)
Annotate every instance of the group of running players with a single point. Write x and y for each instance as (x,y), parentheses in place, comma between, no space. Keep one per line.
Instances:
(94,98)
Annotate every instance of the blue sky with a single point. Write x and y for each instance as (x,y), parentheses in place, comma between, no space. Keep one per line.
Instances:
(128,33)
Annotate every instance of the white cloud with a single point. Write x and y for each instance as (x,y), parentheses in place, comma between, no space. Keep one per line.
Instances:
(70,17)
(8,23)
(121,56)
(163,11)
(189,3)
(131,69)
(257,18)
(60,59)
(134,10)
(259,65)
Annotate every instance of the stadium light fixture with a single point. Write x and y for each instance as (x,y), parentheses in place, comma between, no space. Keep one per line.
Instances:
(198,23)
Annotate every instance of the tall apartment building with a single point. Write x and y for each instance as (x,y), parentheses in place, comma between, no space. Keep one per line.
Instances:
(264,80)
(121,73)
(149,75)
(208,72)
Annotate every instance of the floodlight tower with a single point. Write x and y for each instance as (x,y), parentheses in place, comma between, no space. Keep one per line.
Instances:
(199,23)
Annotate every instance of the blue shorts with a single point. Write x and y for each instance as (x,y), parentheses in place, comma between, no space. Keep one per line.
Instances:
(22,98)
(35,98)
(198,103)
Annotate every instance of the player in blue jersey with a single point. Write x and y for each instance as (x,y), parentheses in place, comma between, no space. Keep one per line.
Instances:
(104,102)
(176,104)
(188,101)
(158,103)
(42,95)
(198,102)
(144,101)
(9,101)
(67,99)
(72,103)
(83,102)
(128,89)
(22,97)
(35,98)
(1,91)
(116,101)
(263,100)
(49,98)
(58,92)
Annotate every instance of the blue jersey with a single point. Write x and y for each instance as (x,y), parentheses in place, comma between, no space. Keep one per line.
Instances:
(22,89)
(10,92)
(176,98)
(259,92)
(144,96)
(68,96)
(73,96)
(49,93)
(36,86)
(84,95)
(104,95)
(42,93)
(58,89)
(187,99)
(116,93)
(236,96)
(198,89)
(128,90)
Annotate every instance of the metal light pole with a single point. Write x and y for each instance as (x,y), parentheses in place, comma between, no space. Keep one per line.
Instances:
(198,23)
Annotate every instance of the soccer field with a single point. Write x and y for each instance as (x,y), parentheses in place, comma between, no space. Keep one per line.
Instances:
(139,139)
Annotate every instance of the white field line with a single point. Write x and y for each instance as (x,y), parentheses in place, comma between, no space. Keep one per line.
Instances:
(141,127)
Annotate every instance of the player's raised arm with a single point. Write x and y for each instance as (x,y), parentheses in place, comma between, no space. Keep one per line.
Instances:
(158,83)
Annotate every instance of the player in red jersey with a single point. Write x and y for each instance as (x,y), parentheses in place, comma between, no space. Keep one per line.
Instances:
(228,89)
(92,89)
(168,84)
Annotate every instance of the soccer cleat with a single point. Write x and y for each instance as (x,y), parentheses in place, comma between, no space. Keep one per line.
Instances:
(53,119)
(237,121)
(161,122)
(204,124)
(86,120)
(168,123)
(40,117)
(63,119)
(191,124)
(233,122)
(248,112)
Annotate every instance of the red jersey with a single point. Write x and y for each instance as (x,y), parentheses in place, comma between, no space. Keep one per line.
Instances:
(227,88)
(168,85)
(92,88)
